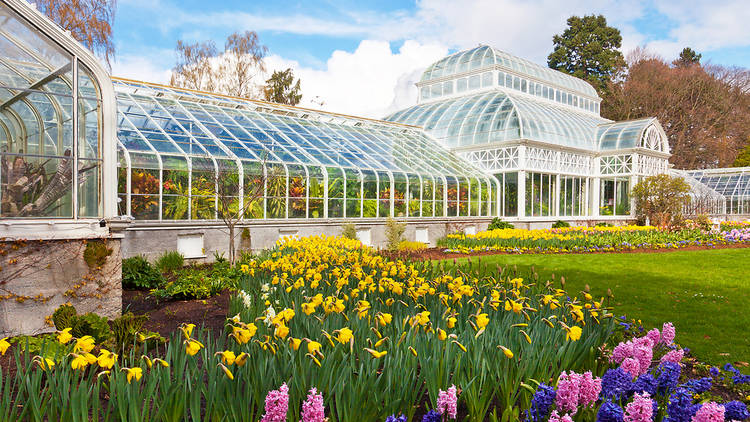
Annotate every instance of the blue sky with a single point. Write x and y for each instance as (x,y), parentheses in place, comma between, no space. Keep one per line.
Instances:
(380,47)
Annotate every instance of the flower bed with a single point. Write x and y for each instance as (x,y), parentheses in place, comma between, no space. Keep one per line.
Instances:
(582,240)
(324,327)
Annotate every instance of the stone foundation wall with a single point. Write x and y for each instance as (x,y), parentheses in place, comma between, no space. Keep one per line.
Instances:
(153,239)
(37,276)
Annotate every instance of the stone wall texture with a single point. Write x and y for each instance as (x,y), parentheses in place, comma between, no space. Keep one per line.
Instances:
(36,277)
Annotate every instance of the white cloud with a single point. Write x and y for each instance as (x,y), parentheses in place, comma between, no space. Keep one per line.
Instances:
(365,82)
(143,67)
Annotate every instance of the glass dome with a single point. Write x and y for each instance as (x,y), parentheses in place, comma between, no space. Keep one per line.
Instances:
(640,133)
(487,57)
(497,116)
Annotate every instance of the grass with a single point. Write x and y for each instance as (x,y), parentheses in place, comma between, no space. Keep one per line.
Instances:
(704,293)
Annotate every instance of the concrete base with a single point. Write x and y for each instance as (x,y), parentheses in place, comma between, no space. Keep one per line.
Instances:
(154,238)
(36,277)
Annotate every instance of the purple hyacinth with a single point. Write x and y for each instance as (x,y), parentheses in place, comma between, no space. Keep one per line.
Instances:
(698,386)
(669,374)
(609,412)
(394,418)
(431,416)
(541,403)
(680,407)
(736,411)
(615,384)
(645,383)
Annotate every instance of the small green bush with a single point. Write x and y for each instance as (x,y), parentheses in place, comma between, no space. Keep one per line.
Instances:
(45,345)
(559,224)
(89,324)
(170,261)
(138,273)
(349,231)
(394,232)
(124,329)
(603,224)
(497,223)
(64,317)
(198,284)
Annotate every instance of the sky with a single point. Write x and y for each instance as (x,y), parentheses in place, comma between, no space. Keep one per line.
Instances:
(363,58)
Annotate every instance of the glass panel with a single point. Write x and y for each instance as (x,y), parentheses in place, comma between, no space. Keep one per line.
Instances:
(607,197)
(412,198)
(144,194)
(36,186)
(623,197)
(384,195)
(353,194)
(510,195)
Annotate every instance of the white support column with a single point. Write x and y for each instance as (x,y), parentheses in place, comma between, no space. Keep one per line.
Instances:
(556,197)
(522,181)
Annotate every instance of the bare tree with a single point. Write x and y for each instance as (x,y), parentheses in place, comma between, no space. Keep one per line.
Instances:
(705,110)
(89,21)
(229,209)
(234,71)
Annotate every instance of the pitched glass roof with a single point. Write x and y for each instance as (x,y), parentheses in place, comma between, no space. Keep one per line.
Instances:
(165,121)
(726,182)
(488,57)
(630,134)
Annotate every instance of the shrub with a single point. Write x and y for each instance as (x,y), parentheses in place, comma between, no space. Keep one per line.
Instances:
(394,232)
(560,224)
(199,283)
(124,329)
(170,261)
(138,273)
(349,231)
(703,222)
(603,224)
(408,245)
(89,324)
(497,223)
(661,198)
(64,316)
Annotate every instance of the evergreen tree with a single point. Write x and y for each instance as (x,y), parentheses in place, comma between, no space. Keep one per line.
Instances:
(688,57)
(281,88)
(589,49)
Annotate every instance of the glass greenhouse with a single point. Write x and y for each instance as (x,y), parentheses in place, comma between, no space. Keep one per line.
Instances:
(176,146)
(538,132)
(491,135)
(719,191)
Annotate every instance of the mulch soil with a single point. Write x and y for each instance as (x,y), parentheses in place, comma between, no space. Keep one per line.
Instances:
(166,316)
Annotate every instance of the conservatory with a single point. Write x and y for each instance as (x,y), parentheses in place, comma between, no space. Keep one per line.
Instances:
(184,154)
(538,132)
(719,191)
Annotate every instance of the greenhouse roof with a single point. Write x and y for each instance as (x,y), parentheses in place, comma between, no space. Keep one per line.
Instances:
(497,115)
(726,182)
(155,120)
(483,57)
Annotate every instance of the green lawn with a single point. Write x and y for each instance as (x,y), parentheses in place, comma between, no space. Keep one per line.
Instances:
(706,294)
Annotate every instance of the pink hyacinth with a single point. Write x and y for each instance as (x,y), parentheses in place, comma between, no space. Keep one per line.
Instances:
(644,353)
(568,387)
(631,366)
(709,412)
(555,417)
(447,403)
(667,333)
(589,389)
(622,351)
(654,336)
(277,404)
(312,408)
(673,356)
(640,409)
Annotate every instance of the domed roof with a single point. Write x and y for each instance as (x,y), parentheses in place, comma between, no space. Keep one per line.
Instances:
(486,56)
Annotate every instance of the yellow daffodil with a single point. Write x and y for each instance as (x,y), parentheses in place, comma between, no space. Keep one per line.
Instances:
(344,335)
(574,333)
(192,347)
(4,345)
(187,329)
(85,344)
(281,331)
(44,363)
(384,318)
(161,362)
(227,357)
(78,362)
(295,343)
(106,359)
(451,322)
(441,334)
(227,372)
(241,359)
(313,346)
(507,352)
(376,354)
(64,336)
(131,373)
(482,321)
